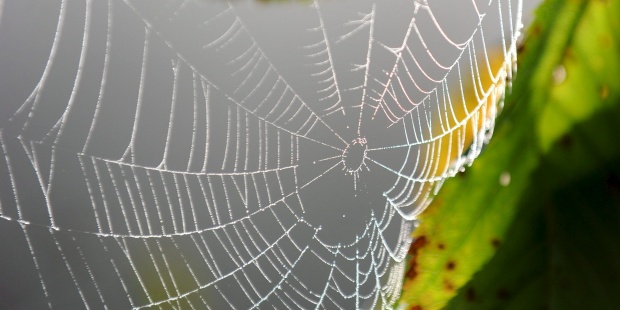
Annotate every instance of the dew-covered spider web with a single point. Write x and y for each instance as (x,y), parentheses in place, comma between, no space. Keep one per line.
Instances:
(193,154)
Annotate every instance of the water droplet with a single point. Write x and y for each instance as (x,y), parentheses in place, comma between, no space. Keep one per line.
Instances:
(559,74)
(504,178)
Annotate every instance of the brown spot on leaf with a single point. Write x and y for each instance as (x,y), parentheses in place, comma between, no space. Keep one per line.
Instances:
(450,265)
(441,246)
(448,285)
(503,294)
(413,270)
(470,294)
(416,307)
(495,243)
(419,242)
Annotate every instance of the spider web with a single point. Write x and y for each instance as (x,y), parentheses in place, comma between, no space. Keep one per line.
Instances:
(206,154)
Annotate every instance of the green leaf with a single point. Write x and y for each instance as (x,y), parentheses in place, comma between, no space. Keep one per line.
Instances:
(534,223)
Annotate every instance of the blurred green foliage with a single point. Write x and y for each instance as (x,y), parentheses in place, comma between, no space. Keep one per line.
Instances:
(535,222)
